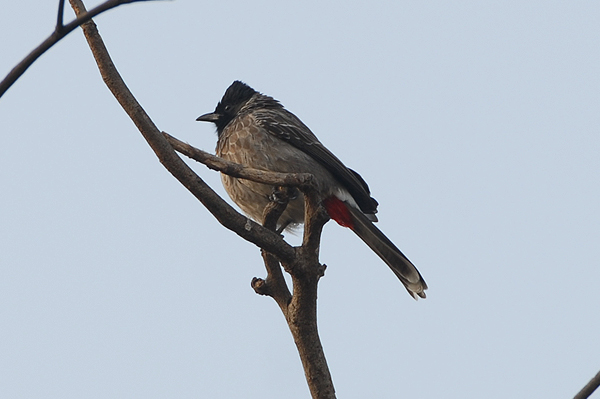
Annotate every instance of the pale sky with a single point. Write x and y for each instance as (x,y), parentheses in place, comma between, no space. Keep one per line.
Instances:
(476,125)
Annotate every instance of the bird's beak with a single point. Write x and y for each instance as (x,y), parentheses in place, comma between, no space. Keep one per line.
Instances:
(210,117)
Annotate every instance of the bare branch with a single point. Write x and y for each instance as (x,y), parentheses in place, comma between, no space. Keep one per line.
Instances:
(59,18)
(302,321)
(274,285)
(236,170)
(300,308)
(60,31)
(224,213)
(315,218)
(589,388)
(301,313)
(273,211)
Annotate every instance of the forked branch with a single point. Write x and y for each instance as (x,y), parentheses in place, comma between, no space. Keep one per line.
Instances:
(222,211)
(299,307)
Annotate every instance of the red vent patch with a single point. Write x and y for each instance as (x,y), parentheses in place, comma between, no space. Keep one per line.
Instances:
(338,211)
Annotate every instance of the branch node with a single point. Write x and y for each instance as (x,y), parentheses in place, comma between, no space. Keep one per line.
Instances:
(321,270)
(260,286)
(278,202)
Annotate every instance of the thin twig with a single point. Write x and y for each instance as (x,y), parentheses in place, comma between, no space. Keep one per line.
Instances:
(56,36)
(589,388)
(274,285)
(236,170)
(59,18)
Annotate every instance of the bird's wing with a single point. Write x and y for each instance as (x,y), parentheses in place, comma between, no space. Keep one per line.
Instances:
(288,127)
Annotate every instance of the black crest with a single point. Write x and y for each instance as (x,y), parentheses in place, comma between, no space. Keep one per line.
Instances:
(233,100)
(236,95)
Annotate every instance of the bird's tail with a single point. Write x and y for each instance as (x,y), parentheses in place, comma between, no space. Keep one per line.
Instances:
(379,243)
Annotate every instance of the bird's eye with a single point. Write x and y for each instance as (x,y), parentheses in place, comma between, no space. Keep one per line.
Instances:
(227,108)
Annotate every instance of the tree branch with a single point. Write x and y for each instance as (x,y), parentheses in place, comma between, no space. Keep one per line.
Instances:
(300,308)
(59,32)
(224,213)
(589,388)
(301,313)
(236,170)
(302,263)
(274,285)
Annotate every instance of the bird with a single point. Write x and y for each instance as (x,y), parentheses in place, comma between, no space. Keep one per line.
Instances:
(256,131)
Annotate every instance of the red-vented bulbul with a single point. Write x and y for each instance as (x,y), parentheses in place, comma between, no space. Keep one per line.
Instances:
(255,130)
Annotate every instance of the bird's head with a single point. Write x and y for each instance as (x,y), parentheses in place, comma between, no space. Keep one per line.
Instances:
(236,96)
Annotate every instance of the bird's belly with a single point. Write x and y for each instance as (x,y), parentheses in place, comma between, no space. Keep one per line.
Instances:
(252,198)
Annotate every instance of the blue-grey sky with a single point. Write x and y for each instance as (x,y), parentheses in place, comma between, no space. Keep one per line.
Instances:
(476,124)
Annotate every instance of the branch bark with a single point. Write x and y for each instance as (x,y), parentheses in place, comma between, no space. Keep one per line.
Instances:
(301,180)
(589,388)
(300,308)
(301,314)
